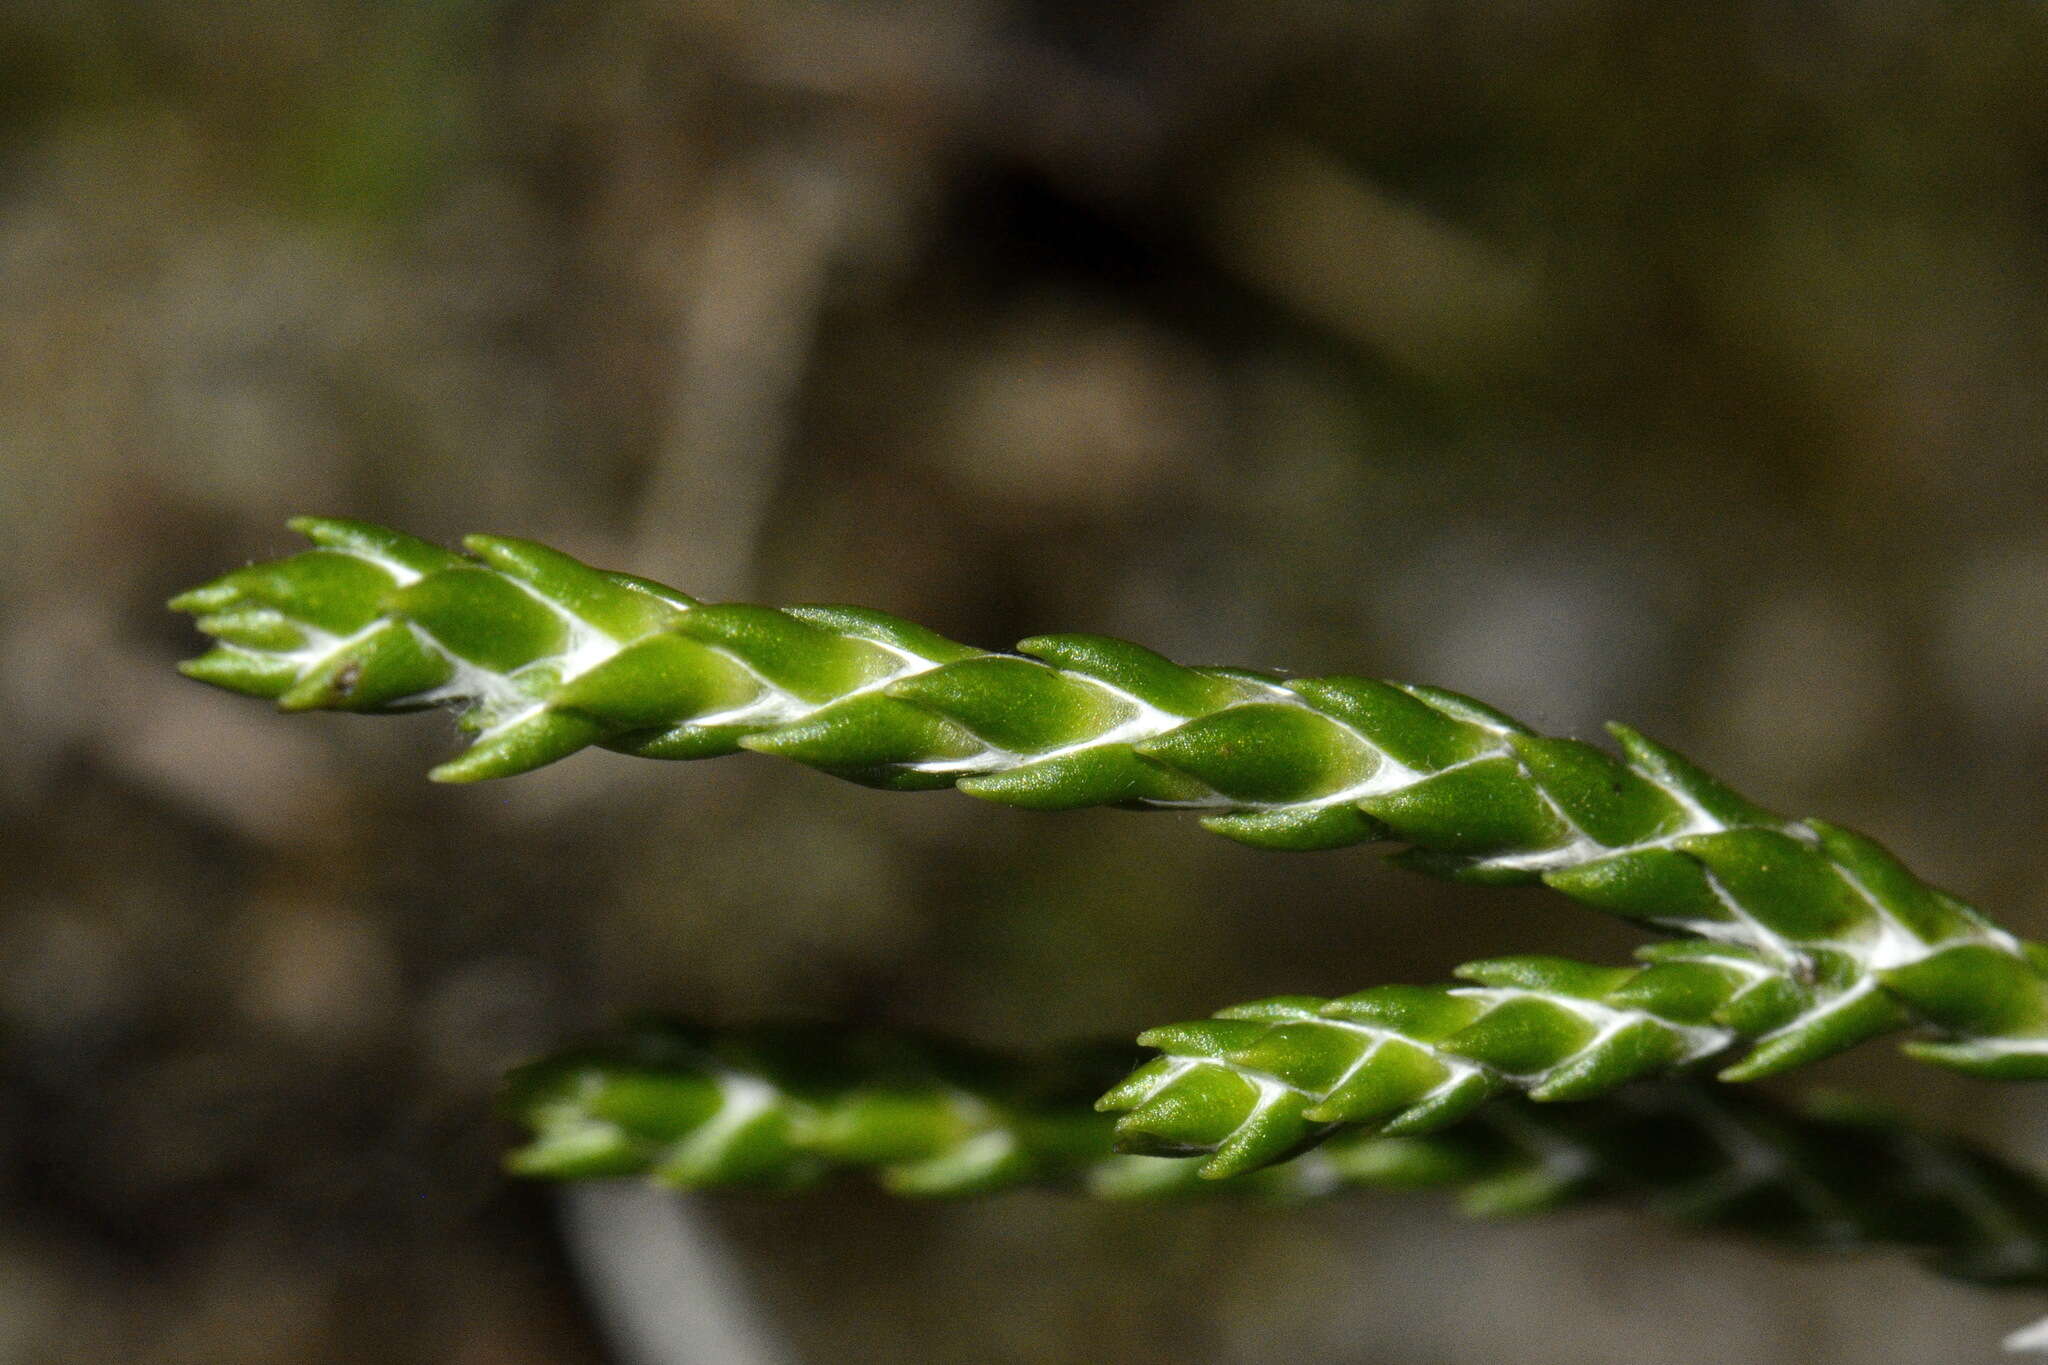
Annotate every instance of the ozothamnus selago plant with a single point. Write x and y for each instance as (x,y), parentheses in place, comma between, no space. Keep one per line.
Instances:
(1791,939)
(785,1108)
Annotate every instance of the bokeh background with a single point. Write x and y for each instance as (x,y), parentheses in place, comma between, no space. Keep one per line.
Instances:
(1681,363)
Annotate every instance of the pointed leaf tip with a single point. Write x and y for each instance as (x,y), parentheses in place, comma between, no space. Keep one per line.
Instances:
(459,770)
(252,675)
(205,598)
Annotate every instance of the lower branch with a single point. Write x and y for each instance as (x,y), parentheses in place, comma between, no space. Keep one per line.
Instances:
(786,1108)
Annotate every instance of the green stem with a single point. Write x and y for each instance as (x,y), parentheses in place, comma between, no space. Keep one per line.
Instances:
(1259,1083)
(786,1108)
(543,656)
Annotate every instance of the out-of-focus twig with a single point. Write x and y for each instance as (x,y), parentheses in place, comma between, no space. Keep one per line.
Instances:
(746,309)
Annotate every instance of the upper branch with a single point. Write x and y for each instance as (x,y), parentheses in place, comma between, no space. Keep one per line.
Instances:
(543,656)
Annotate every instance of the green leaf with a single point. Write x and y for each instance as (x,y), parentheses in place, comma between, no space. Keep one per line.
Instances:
(1265,752)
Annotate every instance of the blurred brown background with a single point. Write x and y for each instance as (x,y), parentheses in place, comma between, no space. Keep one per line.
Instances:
(1677,363)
